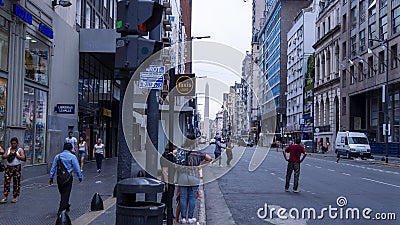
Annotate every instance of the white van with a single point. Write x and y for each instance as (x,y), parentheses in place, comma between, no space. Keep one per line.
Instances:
(352,144)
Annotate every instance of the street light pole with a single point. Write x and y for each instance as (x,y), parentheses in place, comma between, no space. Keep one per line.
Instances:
(386,126)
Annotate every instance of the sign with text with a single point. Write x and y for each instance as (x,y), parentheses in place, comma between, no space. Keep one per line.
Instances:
(153,78)
(65,109)
(184,84)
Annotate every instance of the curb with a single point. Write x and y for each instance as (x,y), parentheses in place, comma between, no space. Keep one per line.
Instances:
(386,164)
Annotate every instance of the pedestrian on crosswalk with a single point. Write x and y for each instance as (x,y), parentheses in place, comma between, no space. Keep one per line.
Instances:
(295,151)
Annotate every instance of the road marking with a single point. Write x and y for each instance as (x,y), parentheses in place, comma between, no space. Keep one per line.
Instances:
(92,215)
(280,178)
(308,164)
(331,170)
(380,182)
(273,174)
(346,174)
(318,167)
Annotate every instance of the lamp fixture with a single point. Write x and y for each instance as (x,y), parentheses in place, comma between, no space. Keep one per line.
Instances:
(63,3)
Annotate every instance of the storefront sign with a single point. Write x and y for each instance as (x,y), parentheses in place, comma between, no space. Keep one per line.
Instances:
(65,109)
(185,85)
(22,13)
(46,30)
(107,112)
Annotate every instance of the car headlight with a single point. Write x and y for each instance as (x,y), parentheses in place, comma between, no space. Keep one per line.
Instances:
(352,150)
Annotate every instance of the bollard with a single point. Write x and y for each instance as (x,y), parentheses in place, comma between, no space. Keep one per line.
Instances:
(141,174)
(97,203)
(115,191)
(63,219)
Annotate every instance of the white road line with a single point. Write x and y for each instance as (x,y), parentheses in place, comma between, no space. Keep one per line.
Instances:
(346,174)
(308,164)
(380,182)
(280,178)
(331,170)
(273,174)
(318,167)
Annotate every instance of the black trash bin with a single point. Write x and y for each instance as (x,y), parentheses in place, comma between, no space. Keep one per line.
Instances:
(129,211)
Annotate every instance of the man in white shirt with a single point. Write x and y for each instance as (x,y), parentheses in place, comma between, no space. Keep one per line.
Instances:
(71,139)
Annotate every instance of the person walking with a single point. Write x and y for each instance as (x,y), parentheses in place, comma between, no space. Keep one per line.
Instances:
(295,151)
(70,162)
(99,151)
(191,162)
(82,151)
(71,139)
(167,162)
(228,151)
(218,150)
(14,156)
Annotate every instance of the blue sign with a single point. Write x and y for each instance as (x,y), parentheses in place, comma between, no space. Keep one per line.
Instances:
(22,13)
(153,78)
(1,3)
(65,109)
(46,30)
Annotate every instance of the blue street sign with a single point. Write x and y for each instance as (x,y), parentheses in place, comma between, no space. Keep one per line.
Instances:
(65,108)
(153,78)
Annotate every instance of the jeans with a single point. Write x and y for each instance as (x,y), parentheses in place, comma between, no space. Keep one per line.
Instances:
(290,167)
(99,160)
(188,195)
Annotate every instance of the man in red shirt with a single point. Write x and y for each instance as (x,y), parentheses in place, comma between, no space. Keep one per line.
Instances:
(294,161)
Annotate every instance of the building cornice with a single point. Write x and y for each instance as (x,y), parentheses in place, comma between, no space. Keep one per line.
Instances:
(326,36)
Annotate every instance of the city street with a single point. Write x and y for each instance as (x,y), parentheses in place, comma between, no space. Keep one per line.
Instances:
(322,181)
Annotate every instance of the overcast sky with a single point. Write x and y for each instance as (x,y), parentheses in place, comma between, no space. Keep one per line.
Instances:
(227,22)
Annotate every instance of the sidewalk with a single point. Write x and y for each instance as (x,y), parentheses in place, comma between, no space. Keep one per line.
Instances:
(38,201)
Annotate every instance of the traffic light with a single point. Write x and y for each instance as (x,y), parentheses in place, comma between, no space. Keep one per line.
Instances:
(138,16)
(132,50)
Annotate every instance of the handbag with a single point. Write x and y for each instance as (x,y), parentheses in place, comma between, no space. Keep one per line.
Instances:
(188,180)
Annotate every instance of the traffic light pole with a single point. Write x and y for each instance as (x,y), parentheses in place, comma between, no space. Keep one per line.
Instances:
(171,188)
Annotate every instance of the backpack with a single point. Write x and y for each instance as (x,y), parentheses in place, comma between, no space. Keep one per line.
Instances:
(63,176)
(180,157)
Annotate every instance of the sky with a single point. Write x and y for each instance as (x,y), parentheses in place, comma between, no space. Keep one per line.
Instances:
(227,22)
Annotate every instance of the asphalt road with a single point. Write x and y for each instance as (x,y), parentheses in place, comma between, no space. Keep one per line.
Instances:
(358,185)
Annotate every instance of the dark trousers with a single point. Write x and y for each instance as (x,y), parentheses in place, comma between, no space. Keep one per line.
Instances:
(99,160)
(65,192)
(290,167)
(164,197)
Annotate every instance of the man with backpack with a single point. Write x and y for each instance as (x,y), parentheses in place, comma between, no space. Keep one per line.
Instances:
(63,164)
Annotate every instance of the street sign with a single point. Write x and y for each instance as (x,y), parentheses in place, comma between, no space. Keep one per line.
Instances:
(302,121)
(184,84)
(153,78)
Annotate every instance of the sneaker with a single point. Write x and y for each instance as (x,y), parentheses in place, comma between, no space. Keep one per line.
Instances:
(81,171)
(4,200)
(296,191)
(192,220)
(14,200)
(220,166)
(184,221)
(287,190)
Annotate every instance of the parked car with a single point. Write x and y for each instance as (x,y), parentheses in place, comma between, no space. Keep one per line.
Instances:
(308,145)
(352,144)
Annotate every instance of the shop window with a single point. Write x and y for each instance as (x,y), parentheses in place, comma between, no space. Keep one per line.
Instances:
(3,107)
(4,34)
(34,121)
(36,60)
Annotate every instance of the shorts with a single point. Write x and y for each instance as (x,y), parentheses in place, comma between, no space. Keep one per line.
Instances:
(81,154)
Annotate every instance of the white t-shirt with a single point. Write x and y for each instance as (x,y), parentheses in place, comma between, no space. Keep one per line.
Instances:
(72,141)
(99,148)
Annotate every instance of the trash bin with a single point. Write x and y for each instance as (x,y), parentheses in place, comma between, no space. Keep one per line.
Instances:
(129,211)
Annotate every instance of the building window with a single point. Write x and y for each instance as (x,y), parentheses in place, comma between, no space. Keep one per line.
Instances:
(78,12)
(329,24)
(88,16)
(396,20)
(394,56)
(36,60)
(344,52)
(362,40)
(105,3)
(371,33)
(382,3)
(363,5)
(323,29)
(96,21)
(319,32)
(344,23)
(352,75)
(371,10)
(381,62)
(353,42)
(370,66)
(337,17)
(344,78)
(374,112)
(344,108)
(3,107)
(34,121)
(4,35)
(383,28)
(360,71)
(353,16)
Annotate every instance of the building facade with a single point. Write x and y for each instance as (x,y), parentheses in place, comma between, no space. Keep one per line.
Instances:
(273,61)
(327,72)
(364,63)
(300,38)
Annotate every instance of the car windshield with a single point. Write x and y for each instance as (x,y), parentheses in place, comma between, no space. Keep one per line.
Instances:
(358,140)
